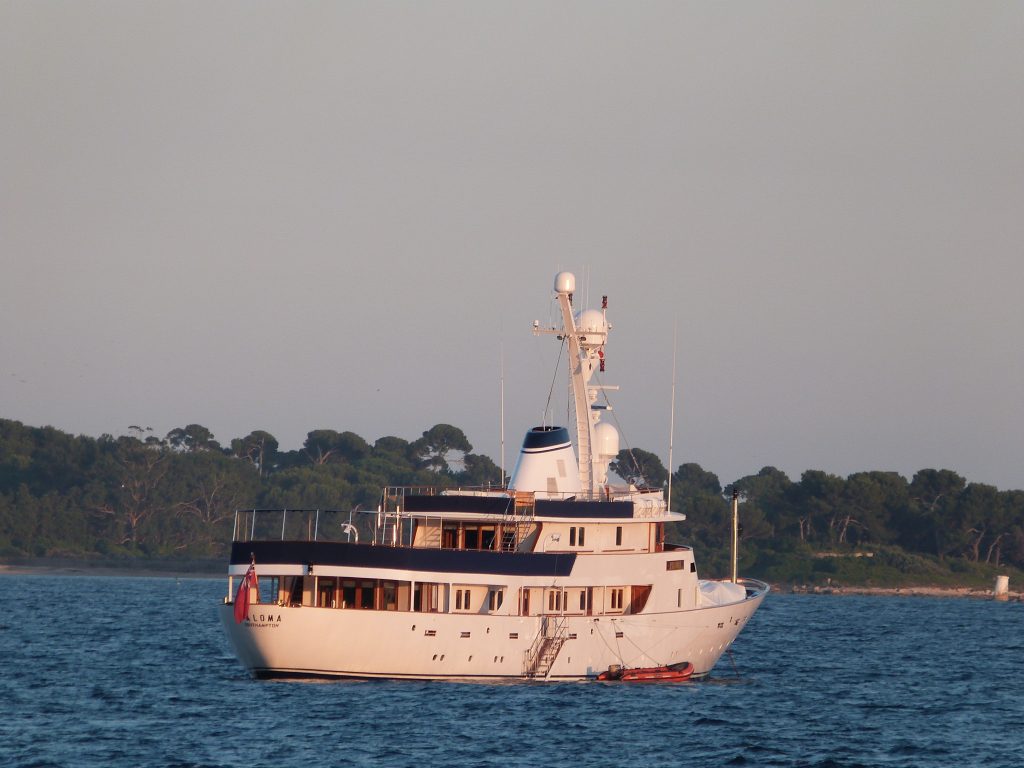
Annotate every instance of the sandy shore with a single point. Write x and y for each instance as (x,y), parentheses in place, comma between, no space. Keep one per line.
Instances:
(906,592)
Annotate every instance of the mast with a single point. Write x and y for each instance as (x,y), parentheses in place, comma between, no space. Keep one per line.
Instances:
(585,341)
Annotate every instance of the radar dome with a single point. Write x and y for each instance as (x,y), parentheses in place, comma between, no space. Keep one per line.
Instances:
(606,438)
(565,282)
(591,321)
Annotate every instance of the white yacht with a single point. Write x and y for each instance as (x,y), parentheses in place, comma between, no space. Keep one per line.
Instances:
(562,575)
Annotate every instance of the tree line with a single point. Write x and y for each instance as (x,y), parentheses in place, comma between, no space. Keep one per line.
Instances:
(139,494)
(142,495)
(937,513)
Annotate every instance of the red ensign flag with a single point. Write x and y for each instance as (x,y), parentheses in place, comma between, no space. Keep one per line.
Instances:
(242,598)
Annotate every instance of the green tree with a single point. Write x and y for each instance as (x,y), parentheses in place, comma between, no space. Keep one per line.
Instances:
(208,487)
(194,437)
(640,468)
(693,480)
(135,476)
(927,522)
(433,449)
(258,448)
(479,470)
(324,445)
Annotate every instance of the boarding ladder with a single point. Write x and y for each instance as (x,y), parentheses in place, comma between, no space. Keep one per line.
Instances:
(538,660)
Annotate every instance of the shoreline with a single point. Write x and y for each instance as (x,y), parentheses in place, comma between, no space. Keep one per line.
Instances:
(84,569)
(912,591)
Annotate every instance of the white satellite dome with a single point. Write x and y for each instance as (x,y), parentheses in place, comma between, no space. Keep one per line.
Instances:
(606,439)
(593,327)
(565,282)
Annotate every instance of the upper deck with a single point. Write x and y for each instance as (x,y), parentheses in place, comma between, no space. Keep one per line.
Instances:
(624,503)
(458,519)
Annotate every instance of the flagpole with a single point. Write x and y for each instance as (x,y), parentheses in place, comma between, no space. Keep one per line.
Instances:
(672,413)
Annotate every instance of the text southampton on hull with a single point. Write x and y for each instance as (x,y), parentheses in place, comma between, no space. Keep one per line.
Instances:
(562,575)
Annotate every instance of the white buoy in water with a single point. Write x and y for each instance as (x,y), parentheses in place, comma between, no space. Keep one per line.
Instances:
(1002,588)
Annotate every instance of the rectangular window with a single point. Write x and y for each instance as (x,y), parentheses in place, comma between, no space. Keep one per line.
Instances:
(679,598)
(616,599)
(390,594)
(487,538)
(581,535)
(458,600)
(293,587)
(425,598)
(494,599)
(325,593)
(675,565)
(348,594)
(618,535)
(366,595)
(572,537)
(270,586)
(555,600)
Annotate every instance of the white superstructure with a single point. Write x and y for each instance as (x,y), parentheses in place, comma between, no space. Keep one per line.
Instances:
(560,576)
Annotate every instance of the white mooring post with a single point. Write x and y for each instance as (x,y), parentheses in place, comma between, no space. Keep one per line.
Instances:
(1002,588)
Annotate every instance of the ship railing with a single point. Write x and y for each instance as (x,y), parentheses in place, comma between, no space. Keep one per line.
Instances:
(294,525)
(392,515)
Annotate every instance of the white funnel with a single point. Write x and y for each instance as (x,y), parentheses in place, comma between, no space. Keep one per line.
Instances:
(546,464)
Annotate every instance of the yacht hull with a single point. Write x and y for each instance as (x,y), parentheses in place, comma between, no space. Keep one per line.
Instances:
(310,642)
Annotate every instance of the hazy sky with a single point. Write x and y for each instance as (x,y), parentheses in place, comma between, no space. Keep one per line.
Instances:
(290,216)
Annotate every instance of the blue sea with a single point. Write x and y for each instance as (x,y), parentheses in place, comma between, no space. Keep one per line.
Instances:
(125,671)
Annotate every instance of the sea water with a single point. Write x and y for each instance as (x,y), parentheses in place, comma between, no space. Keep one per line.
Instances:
(125,671)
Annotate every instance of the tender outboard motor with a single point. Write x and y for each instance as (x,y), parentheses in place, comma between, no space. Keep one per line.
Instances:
(546,464)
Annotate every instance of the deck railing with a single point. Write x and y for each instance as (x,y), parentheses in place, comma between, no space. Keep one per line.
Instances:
(294,525)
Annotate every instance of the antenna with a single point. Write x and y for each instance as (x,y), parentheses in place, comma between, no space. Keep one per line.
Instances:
(672,412)
(735,532)
(502,401)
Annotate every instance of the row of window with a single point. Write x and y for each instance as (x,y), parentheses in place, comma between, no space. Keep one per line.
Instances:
(472,536)
(369,594)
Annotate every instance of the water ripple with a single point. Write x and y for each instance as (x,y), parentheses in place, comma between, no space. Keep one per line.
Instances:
(127,672)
